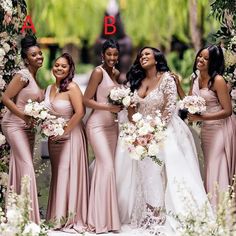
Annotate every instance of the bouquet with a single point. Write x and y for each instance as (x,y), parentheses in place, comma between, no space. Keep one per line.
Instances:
(53,126)
(120,96)
(144,138)
(193,104)
(36,110)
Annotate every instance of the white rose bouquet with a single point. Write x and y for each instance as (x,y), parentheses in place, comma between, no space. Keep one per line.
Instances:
(120,96)
(144,138)
(193,104)
(36,110)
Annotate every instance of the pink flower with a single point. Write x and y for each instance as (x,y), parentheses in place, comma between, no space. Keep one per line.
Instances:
(142,141)
(7,18)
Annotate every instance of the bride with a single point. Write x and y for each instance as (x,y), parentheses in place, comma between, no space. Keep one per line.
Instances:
(156,190)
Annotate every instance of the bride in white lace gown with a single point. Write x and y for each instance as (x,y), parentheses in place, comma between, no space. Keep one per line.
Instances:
(158,189)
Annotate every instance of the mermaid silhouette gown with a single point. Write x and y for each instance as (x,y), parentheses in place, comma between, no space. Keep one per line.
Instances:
(102,131)
(218,138)
(69,188)
(21,140)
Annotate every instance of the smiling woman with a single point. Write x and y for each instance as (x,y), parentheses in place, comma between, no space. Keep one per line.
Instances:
(102,131)
(22,87)
(68,197)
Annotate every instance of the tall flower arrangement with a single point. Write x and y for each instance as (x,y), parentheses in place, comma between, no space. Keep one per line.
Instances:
(12,15)
(224,11)
(16,220)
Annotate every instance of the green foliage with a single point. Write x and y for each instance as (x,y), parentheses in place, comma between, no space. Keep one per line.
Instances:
(183,66)
(70,21)
(44,75)
(83,68)
(146,22)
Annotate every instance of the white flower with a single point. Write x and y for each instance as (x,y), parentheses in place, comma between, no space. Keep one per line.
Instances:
(43,115)
(2,53)
(2,83)
(28,108)
(140,150)
(31,229)
(135,156)
(233,94)
(126,101)
(153,149)
(145,129)
(137,116)
(6,47)
(3,178)
(14,216)
(2,139)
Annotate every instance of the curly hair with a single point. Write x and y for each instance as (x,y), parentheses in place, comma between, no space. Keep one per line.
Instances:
(216,63)
(136,73)
(65,82)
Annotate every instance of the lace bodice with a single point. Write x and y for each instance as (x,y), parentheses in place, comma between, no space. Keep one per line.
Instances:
(162,98)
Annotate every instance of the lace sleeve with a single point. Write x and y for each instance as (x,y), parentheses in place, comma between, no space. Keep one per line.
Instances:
(24,74)
(170,98)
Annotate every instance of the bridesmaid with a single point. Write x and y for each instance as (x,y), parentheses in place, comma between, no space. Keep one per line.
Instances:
(102,131)
(68,197)
(218,132)
(16,125)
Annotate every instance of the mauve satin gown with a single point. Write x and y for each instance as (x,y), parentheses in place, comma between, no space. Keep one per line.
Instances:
(218,139)
(102,131)
(21,140)
(69,188)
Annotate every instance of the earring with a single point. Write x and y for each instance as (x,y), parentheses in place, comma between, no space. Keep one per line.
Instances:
(102,60)
(117,62)
(156,62)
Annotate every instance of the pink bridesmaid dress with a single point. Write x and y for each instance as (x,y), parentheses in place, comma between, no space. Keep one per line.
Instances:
(102,131)
(218,139)
(69,188)
(21,140)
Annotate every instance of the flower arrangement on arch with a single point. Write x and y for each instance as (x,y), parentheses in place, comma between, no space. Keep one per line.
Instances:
(144,138)
(224,12)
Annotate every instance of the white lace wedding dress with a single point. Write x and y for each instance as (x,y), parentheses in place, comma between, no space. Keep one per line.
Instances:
(146,191)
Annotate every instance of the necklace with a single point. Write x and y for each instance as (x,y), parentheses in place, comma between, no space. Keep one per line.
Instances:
(57,89)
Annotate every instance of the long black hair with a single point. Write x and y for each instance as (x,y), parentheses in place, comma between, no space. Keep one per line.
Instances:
(216,63)
(65,82)
(136,73)
(26,43)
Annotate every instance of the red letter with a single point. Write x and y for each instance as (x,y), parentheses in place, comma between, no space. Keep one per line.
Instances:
(30,24)
(110,23)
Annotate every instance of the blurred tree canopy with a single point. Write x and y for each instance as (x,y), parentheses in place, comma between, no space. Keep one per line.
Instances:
(146,21)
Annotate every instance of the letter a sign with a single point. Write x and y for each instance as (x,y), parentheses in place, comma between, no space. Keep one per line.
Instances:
(28,24)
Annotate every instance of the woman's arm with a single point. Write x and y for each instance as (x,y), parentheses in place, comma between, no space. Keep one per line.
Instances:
(180,90)
(222,92)
(170,98)
(14,87)
(90,92)
(76,99)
